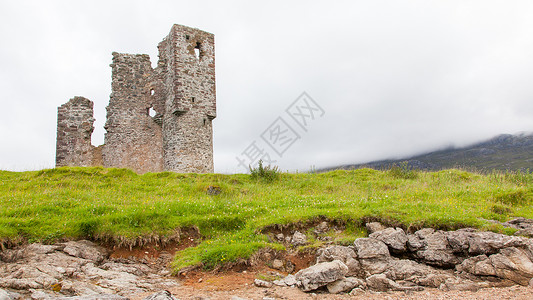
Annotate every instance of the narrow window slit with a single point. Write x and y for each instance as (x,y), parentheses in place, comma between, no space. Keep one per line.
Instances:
(197,51)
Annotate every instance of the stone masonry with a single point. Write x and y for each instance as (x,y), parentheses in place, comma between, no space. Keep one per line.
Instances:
(157,119)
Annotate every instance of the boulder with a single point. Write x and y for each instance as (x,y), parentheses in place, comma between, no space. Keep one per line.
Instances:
(262,283)
(290,280)
(372,227)
(345,285)
(510,263)
(394,238)
(345,254)
(7,295)
(85,249)
(435,249)
(298,239)
(320,274)
(380,283)
(371,248)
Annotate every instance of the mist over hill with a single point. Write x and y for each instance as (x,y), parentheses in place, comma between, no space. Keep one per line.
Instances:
(503,152)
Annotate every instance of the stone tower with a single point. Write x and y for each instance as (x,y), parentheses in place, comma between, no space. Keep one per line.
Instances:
(187,68)
(161,119)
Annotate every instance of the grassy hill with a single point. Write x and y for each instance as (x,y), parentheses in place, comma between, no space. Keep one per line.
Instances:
(504,152)
(120,207)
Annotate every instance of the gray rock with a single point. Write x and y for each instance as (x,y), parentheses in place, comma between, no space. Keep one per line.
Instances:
(280,237)
(320,274)
(436,250)
(414,243)
(370,248)
(475,243)
(279,282)
(394,238)
(372,227)
(85,249)
(298,239)
(345,254)
(277,264)
(344,285)
(463,285)
(98,297)
(380,283)
(321,228)
(262,283)
(162,295)
(40,295)
(290,280)
(77,268)
(510,263)
(8,295)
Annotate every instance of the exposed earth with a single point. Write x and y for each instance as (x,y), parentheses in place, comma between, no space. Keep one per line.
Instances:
(389,264)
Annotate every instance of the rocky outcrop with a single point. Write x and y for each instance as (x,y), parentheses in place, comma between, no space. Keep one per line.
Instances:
(320,274)
(77,270)
(390,259)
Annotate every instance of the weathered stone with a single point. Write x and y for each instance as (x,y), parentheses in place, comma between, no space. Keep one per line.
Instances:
(380,283)
(262,283)
(513,264)
(321,228)
(74,128)
(370,248)
(344,285)
(85,249)
(394,238)
(320,274)
(345,254)
(277,264)
(100,297)
(158,119)
(290,280)
(413,242)
(436,250)
(372,227)
(162,295)
(8,295)
(79,268)
(298,239)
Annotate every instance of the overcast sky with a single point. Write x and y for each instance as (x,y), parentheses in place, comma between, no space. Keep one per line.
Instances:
(393,78)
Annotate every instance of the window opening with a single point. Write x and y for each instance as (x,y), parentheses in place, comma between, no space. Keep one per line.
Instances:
(151,112)
(197,50)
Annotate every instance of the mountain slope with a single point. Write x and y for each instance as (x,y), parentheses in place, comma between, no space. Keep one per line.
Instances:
(504,152)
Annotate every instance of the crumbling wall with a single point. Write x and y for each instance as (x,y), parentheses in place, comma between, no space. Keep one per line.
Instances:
(133,138)
(74,129)
(190,103)
(157,119)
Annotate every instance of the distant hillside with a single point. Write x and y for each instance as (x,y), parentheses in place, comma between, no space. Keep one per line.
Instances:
(504,152)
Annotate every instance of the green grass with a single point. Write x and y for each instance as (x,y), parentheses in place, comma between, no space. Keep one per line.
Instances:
(119,206)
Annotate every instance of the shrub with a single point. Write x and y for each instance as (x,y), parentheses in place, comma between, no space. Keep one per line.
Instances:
(268,173)
(403,171)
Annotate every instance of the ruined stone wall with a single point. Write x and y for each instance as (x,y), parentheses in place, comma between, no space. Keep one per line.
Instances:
(157,119)
(190,104)
(133,138)
(74,129)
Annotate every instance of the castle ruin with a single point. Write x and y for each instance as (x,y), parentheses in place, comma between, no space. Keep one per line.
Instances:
(158,119)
